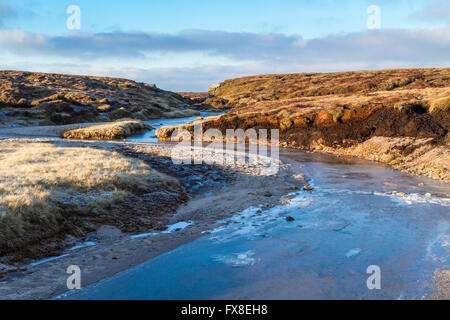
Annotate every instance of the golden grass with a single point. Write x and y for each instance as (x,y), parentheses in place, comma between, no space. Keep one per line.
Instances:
(288,86)
(41,186)
(305,92)
(50,97)
(440,102)
(111,131)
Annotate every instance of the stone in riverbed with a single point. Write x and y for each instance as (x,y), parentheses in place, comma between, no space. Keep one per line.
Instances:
(307,187)
(289,219)
(267,194)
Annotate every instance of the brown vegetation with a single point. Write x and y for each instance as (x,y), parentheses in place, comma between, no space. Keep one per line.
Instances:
(29,98)
(337,111)
(204,101)
(48,192)
(110,131)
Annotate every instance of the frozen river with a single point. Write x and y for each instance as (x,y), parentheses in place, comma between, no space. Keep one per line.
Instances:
(345,225)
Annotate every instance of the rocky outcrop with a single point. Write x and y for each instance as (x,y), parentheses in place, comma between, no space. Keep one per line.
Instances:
(212,88)
(28,98)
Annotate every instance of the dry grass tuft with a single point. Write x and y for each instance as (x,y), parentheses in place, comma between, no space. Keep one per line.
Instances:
(440,103)
(45,190)
(111,131)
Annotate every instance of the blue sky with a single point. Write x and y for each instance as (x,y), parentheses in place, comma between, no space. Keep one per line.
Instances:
(188,45)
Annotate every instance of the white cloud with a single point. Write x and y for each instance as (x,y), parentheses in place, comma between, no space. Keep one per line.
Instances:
(228,54)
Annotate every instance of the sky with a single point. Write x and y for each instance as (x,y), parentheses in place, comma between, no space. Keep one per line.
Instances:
(185,45)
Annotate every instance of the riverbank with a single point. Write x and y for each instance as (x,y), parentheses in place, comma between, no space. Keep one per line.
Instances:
(399,116)
(318,246)
(116,130)
(215,192)
(53,191)
(422,157)
(416,156)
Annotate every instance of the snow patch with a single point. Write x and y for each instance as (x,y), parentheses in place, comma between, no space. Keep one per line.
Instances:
(237,260)
(47,260)
(253,221)
(83,245)
(353,252)
(176,227)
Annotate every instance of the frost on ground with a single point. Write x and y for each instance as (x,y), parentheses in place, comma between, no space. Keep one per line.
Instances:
(48,191)
(110,131)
